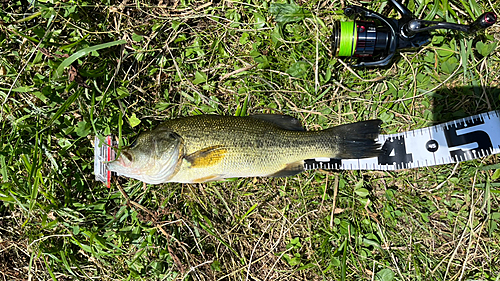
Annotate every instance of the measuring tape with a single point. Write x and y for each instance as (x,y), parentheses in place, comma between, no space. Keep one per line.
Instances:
(456,141)
(103,153)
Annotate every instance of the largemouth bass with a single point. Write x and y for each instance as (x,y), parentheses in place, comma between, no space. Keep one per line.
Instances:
(212,147)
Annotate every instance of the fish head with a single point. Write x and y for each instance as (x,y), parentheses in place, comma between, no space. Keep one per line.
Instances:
(153,158)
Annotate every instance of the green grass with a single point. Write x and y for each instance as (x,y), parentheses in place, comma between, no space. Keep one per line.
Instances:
(232,57)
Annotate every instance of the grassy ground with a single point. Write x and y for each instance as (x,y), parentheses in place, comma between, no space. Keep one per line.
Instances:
(185,57)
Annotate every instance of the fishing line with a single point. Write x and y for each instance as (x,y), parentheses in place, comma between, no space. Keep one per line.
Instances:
(348,38)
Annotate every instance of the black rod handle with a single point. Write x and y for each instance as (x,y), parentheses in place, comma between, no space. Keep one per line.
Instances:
(415,26)
(483,21)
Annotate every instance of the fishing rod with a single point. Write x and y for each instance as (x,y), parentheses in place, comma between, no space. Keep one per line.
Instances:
(373,40)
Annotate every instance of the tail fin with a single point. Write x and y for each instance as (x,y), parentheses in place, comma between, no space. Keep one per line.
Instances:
(357,140)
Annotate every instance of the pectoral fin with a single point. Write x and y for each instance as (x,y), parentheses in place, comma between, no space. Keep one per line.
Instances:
(289,170)
(206,157)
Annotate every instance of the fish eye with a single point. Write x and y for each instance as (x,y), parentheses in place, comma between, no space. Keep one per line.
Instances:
(173,136)
(133,144)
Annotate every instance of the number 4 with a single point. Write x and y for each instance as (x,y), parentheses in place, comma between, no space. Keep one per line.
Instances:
(394,153)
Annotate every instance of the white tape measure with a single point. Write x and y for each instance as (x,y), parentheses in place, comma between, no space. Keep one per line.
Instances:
(103,153)
(456,141)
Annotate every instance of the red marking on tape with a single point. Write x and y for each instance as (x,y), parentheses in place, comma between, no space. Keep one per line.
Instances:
(108,182)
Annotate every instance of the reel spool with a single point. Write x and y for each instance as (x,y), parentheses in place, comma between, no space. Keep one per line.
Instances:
(375,39)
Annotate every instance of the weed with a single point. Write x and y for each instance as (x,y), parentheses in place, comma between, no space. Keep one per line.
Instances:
(70,70)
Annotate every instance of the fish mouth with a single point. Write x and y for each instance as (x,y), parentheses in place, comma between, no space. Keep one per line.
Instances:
(114,166)
(119,164)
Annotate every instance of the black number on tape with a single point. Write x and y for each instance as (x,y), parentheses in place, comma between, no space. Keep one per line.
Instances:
(480,137)
(432,146)
(394,153)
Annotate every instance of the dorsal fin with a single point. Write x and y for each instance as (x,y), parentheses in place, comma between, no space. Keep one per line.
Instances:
(283,121)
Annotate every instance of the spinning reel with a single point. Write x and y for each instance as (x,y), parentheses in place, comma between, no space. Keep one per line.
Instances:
(374,40)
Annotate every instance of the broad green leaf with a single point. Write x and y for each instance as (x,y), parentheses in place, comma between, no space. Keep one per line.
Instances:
(359,184)
(40,96)
(137,37)
(386,117)
(133,120)
(294,243)
(496,175)
(495,216)
(83,52)
(244,38)
(295,260)
(215,265)
(298,69)
(445,51)
(82,130)
(328,75)
(292,261)
(369,242)
(436,40)
(362,192)
(4,197)
(23,89)
(385,275)
(307,266)
(286,13)
(260,20)
(425,216)
(335,261)
(429,57)
(176,24)
(428,114)
(485,49)
(122,92)
(449,65)
(199,77)
(276,37)
(259,58)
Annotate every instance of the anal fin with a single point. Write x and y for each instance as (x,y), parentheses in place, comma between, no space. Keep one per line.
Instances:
(215,177)
(290,169)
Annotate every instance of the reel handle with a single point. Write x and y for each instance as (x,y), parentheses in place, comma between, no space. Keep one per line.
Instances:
(415,26)
(483,21)
(403,11)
